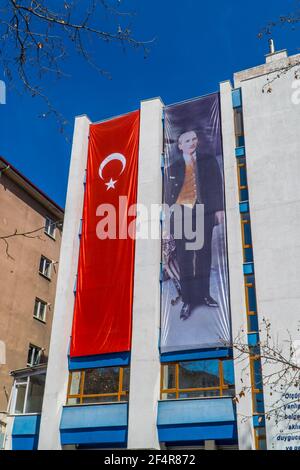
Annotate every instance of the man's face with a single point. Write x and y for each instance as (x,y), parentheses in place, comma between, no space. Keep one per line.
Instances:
(188,142)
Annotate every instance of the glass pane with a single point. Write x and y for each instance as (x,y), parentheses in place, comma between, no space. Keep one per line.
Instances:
(36,356)
(238,121)
(104,380)
(35,394)
(42,264)
(200,394)
(248,255)
(36,308)
(244,195)
(169,376)
(124,397)
(20,390)
(47,268)
(75,383)
(30,353)
(257,374)
(230,392)
(243,176)
(42,311)
(199,374)
(168,396)
(126,378)
(253,323)
(258,403)
(247,234)
(73,401)
(228,372)
(262,444)
(106,399)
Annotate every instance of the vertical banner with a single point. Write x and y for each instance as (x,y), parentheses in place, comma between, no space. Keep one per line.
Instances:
(104,295)
(195,298)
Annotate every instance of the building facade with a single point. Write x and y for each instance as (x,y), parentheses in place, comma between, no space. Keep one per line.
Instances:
(28,274)
(241,389)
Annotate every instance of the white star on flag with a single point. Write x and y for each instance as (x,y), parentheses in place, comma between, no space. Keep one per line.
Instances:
(111,184)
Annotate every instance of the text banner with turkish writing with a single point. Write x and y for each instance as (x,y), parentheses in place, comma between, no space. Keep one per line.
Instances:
(104,295)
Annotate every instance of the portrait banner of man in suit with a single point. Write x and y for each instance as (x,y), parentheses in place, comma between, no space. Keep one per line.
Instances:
(195,291)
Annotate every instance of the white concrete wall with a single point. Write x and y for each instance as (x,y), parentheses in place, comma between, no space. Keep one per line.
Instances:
(272,123)
(235,265)
(57,373)
(145,364)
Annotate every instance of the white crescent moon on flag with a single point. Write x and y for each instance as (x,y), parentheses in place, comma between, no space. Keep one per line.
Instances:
(110,158)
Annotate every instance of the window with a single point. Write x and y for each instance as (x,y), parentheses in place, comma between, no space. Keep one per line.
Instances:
(50,227)
(239,127)
(40,310)
(247,238)
(242,180)
(45,267)
(102,385)
(251,304)
(34,355)
(260,439)
(28,394)
(197,379)
(257,385)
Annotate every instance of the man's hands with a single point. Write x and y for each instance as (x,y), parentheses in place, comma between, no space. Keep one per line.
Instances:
(220,217)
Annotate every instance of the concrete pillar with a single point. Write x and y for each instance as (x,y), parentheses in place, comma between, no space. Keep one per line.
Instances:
(57,373)
(145,363)
(236,276)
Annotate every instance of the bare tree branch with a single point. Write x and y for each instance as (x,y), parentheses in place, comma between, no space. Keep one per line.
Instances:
(37,37)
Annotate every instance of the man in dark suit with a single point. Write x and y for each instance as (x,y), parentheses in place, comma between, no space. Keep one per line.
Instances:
(192,179)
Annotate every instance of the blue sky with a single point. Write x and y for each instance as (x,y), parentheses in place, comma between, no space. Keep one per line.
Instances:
(198,44)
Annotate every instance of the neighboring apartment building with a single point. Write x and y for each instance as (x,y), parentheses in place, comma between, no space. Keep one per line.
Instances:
(28,274)
(149,372)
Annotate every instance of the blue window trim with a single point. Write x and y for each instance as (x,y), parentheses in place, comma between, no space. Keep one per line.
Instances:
(102,360)
(194,355)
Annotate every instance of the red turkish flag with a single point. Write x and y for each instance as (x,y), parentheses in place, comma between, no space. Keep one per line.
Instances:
(104,295)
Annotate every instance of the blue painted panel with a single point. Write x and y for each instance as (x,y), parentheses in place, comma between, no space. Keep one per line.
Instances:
(197,433)
(248,268)
(244,207)
(237,98)
(253,339)
(26,425)
(240,152)
(198,411)
(100,437)
(259,421)
(194,355)
(94,424)
(25,433)
(25,442)
(103,360)
(94,416)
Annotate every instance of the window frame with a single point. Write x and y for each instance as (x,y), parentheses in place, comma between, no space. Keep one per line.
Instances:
(34,348)
(177,391)
(48,224)
(45,305)
(42,273)
(81,396)
(22,381)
